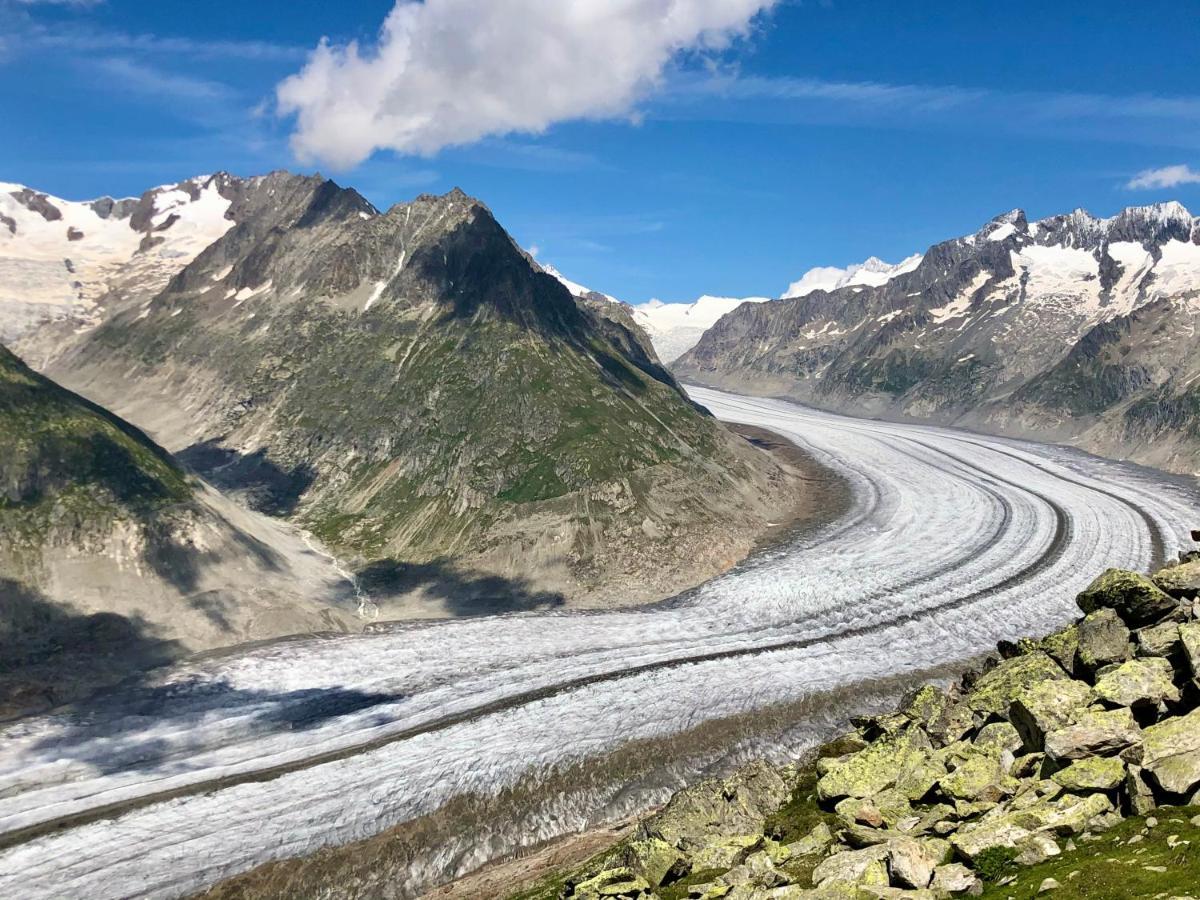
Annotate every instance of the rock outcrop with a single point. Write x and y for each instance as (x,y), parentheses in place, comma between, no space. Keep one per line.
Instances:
(963,786)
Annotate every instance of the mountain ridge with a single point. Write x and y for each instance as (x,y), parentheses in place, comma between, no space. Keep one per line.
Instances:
(1026,328)
(410,387)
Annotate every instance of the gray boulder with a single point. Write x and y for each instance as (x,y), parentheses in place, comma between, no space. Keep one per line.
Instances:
(1135,598)
(1138,683)
(1103,640)
(1093,733)
(1046,706)
(1181,582)
(1159,640)
(1171,753)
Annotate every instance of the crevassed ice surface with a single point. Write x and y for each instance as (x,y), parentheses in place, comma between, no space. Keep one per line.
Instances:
(952,541)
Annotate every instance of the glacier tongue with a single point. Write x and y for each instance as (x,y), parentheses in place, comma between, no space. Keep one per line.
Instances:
(375,730)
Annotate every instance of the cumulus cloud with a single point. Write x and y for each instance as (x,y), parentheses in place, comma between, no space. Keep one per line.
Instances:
(1166,177)
(448,72)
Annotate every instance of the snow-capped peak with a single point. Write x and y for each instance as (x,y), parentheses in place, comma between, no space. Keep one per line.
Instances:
(676,328)
(576,289)
(872,272)
(59,257)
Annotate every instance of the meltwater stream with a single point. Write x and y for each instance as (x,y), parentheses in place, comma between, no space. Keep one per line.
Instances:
(952,540)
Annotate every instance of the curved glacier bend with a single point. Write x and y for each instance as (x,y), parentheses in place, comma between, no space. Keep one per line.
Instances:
(952,541)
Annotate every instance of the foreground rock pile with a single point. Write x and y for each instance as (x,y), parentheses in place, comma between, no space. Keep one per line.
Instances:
(1053,742)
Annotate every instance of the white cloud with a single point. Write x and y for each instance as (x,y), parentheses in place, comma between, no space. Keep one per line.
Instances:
(450,72)
(1166,177)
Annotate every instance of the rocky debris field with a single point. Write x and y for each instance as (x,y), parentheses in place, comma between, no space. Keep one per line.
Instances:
(1066,766)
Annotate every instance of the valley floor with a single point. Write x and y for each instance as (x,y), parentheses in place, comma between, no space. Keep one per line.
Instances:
(434,748)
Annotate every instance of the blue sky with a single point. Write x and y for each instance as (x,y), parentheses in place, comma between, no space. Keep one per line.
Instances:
(814,133)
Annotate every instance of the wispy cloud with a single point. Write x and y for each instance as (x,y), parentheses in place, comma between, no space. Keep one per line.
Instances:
(151,81)
(1165,177)
(1150,119)
(82,38)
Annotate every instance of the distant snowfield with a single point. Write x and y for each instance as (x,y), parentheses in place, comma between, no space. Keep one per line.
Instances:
(675,328)
(952,541)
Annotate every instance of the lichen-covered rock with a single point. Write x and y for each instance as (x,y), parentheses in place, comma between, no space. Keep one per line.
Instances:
(1138,792)
(1180,582)
(925,705)
(1046,706)
(1062,646)
(611,884)
(1158,640)
(981,777)
(1189,636)
(1103,640)
(714,810)
(724,853)
(1138,683)
(1171,753)
(1135,598)
(1096,773)
(994,691)
(1093,733)
(866,866)
(653,859)
(970,841)
(875,769)
(998,737)
(954,878)
(816,841)
(1065,815)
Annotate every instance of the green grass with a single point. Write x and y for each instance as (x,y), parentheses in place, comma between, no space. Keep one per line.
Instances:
(1110,868)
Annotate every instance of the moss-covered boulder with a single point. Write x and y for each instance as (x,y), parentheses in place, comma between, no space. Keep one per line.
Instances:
(1134,597)
(1138,683)
(1171,754)
(875,769)
(1180,582)
(1046,706)
(1096,773)
(994,691)
(982,777)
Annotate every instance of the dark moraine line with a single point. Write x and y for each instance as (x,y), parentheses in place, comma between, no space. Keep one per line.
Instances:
(1053,552)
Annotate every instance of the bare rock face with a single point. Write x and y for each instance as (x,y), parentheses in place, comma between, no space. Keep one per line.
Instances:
(1071,328)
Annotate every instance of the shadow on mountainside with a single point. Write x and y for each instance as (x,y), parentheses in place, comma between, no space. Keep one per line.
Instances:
(462,593)
(178,561)
(262,484)
(50,655)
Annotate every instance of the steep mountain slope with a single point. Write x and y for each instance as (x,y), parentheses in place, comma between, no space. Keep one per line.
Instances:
(1071,328)
(111,558)
(413,389)
(61,260)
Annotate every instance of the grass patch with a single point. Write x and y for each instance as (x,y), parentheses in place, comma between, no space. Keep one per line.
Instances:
(1112,868)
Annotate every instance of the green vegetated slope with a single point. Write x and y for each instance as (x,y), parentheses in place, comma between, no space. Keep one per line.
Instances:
(66,462)
(1067,766)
